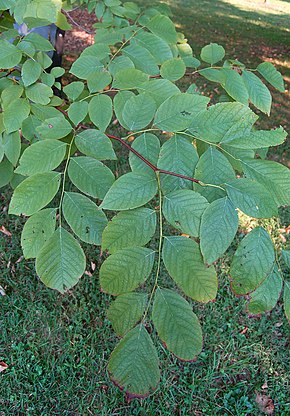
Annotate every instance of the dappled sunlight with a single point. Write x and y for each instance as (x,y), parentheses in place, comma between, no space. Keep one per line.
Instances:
(273,7)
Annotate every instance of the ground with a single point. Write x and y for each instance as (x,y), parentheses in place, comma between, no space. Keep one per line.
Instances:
(56,347)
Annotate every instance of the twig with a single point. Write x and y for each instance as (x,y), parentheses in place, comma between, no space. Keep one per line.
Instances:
(76,23)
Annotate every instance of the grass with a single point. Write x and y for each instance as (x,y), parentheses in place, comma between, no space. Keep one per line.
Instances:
(57,346)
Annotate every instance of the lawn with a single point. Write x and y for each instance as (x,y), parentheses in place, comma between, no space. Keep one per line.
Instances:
(57,346)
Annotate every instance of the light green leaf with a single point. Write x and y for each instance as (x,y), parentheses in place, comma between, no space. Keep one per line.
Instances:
(90,176)
(12,146)
(177,112)
(41,157)
(155,44)
(129,229)
(131,190)
(286,299)
(126,269)
(10,56)
(183,260)
(212,53)
(252,262)
(176,324)
(119,103)
(258,92)
(74,89)
(96,144)
(100,111)
(219,225)
(235,86)
(215,75)
(138,111)
(39,42)
(39,93)
(129,79)
(97,81)
(252,198)
(179,156)
(173,69)
(286,257)
(30,72)
(6,172)
(15,113)
(163,27)
(54,128)
(159,89)
(36,231)
(213,168)
(85,66)
(274,176)
(77,111)
(270,73)
(142,59)
(134,364)
(265,297)
(183,209)
(84,217)
(223,122)
(149,146)
(258,139)
(126,311)
(61,261)
(119,63)
(34,193)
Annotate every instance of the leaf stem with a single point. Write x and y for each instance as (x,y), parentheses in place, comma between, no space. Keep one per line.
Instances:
(159,247)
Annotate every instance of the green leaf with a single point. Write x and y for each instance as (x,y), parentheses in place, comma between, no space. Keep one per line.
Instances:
(90,176)
(176,324)
(138,111)
(12,146)
(252,262)
(159,89)
(119,63)
(15,113)
(265,297)
(156,46)
(142,59)
(213,168)
(286,257)
(163,27)
(39,42)
(274,176)
(96,144)
(119,102)
(129,79)
(129,229)
(36,231)
(270,73)
(126,269)
(74,89)
(149,146)
(258,139)
(34,193)
(215,75)
(212,53)
(179,156)
(100,111)
(134,365)
(30,72)
(10,56)
(177,112)
(235,86)
(223,122)
(61,261)
(131,190)
(126,311)
(252,198)
(6,172)
(54,128)
(219,225)
(286,299)
(39,93)
(258,92)
(85,66)
(173,69)
(183,209)
(183,260)
(41,157)
(84,217)
(97,81)
(77,111)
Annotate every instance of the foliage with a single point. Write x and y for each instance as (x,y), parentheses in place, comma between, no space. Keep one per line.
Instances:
(199,159)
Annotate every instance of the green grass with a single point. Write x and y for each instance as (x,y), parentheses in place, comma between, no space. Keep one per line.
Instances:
(57,346)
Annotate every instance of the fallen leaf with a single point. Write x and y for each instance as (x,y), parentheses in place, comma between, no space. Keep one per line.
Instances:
(265,404)
(3,366)
(265,385)
(2,291)
(5,231)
